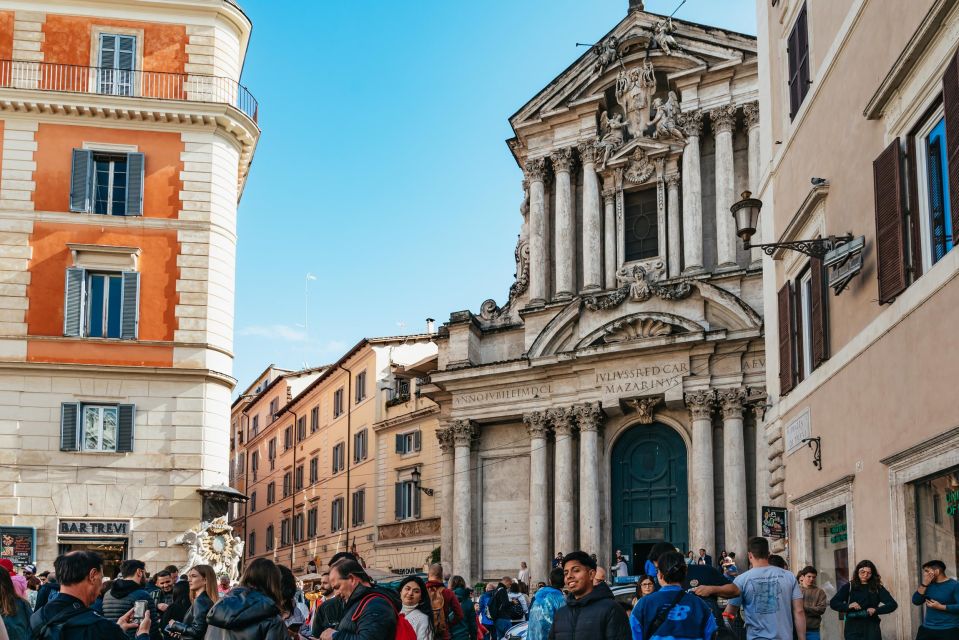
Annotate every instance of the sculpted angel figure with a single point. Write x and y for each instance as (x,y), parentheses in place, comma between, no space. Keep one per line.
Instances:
(607,53)
(663,36)
(634,91)
(612,139)
(665,121)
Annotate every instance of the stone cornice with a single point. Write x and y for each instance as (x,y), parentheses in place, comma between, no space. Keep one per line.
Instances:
(405,418)
(116,222)
(842,484)
(81,370)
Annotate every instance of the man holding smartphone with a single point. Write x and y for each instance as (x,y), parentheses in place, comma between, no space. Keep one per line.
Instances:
(940,594)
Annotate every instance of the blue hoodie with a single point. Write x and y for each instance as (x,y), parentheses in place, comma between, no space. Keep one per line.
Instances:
(542,612)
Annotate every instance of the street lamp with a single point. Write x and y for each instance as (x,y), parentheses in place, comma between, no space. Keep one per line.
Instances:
(416,475)
(746,217)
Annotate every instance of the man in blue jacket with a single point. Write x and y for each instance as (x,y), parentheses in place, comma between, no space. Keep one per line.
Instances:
(940,594)
(545,604)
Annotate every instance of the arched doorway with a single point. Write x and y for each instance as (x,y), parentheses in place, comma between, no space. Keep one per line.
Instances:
(648,492)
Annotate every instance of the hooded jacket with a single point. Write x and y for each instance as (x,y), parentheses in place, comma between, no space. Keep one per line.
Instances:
(542,612)
(194,624)
(465,629)
(120,598)
(595,616)
(85,625)
(245,614)
(376,620)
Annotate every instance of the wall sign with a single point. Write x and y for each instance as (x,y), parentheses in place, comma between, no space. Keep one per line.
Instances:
(18,544)
(774,522)
(838,533)
(797,431)
(109,528)
(952,502)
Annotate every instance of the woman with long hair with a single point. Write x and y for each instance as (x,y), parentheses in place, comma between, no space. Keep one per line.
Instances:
(862,601)
(14,610)
(644,587)
(293,616)
(250,611)
(416,607)
(466,629)
(203,593)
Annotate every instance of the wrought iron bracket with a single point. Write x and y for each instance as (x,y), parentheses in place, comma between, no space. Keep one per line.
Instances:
(428,492)
(816,445)
(815,248)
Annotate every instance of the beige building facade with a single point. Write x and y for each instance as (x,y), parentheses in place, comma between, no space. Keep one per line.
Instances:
(859,136)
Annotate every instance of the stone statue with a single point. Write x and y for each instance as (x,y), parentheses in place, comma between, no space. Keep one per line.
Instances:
(213,543)
(612,130)
(664,36)
(606,53)
(634,92)
(665,121)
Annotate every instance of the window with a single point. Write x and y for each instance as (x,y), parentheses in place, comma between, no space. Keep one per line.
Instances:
(311,518)
(298,526)
(336,515)
(271,493)
(255,427)
(797,52)
(101,305)
(287,484)
(641,223)
(270,538)
(830,555)
(407,500)
(253,502)
(251,545)
(932,177)
(359,445)
(314,469)
(339,458)
(360,386)
(358,515)
(314,419)
(97,428)
(255,463)
(408,442)
(301,429)
(107,183)
(803,326)
(274,407)
(271,453)
(298,480)
(338,403)
(400,392)
(288,438)
(285,532)
(937,517)
(804,322)
(116,64)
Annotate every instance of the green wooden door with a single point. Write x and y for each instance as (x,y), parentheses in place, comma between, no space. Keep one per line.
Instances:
(648,491)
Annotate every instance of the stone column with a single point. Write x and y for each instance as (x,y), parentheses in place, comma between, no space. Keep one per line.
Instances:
(589,154)
(723,119)
(445,436)
(702,508)
(589,418)
(620,219)
(538,231)
(464,433)
(762,460)
(565,238)
(609,234)
(734,471)
(674,224)
(539,551)
(564,523)
(692,194)
(751,111)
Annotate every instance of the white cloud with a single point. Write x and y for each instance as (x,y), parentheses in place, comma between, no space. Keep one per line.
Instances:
(275,331)
(334,346)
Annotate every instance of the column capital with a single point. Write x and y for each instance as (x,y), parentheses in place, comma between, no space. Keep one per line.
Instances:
(731,402)
(674,181)
(536,170)
(589,416)
(445,437)
(562,160)
(563,420)
(700,403)
(692,124)
(464,432)
(723,118)
(751,111)
(537,424)
(589,152)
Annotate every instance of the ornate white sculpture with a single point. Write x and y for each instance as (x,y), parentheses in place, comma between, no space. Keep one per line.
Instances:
(612,139)
(606,53)
(634,92)
(664,37)
(665,120)
(213,543)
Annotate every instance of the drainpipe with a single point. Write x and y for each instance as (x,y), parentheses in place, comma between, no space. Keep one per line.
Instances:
(293,495)
(349,446)
(246,486)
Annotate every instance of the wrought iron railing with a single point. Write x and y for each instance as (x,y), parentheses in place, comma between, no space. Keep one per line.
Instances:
(44,76)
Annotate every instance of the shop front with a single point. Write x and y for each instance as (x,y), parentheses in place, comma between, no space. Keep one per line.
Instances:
(109,538)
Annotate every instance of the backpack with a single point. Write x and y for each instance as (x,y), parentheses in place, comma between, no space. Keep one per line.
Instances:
(438,603)
(72,618)
(515,609)
(404,630)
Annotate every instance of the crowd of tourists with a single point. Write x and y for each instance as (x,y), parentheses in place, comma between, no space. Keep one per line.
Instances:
(680,596)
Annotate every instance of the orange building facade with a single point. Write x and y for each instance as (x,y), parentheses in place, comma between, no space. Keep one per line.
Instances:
(126,142)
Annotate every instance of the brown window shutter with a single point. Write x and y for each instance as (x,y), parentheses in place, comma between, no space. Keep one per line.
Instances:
(818,301)
(890,228)
(799,368)
(950,99)
(915,250)
(786,362)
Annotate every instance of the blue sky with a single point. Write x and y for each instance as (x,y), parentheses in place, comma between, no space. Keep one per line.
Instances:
(382,168)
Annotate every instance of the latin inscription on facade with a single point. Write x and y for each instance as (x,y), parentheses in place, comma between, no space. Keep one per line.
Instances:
(523,392)
(646,379)
(797,431)
(754,364)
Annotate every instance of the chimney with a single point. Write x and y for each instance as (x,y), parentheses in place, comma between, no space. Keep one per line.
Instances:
(429,326)
(636,5)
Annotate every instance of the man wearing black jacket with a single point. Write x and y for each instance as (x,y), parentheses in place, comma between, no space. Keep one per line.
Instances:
(127,590)
(591,611)
(370,613)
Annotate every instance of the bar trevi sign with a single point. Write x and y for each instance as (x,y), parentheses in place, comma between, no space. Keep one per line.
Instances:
(101,528)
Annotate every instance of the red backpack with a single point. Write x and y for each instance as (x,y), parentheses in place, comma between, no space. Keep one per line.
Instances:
(404,630)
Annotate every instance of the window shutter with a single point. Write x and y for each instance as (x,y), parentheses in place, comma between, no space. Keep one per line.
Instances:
(108,51)
(818,310)
(417,440)
(802,56)
(416,502)
(73,302)
(126,52)
(398,491)
(126,414)
(81,181)
(915,249)
(130,305)
(950,99)
(400,441)
(890,236)
(135,172)
(70,426)
(786,365)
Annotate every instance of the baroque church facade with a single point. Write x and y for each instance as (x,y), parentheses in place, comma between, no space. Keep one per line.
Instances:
(611,402)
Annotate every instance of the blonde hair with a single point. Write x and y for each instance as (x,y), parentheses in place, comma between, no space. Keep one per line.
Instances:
(209,582)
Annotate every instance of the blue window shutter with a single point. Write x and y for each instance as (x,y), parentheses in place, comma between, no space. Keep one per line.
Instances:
(126,414)
(81,181)
(417,440)
(73,302)
(399,500)
(400,443)
(70,426)
(126,52)
(130,314)
(416,502)
(108,51)
(135,167)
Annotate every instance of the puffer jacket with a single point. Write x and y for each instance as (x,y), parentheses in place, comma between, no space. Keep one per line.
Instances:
(245,614)
(372,618)
(75,621)
(465,629)
(120,598)
(194,624)
(595,616)
(546,603)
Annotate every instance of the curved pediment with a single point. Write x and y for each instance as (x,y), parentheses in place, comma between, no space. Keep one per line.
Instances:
(639,326)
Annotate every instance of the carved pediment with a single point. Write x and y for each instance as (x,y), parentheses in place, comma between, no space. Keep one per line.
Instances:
(637,328)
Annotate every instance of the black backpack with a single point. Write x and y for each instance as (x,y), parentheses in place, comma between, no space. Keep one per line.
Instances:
(72,618)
